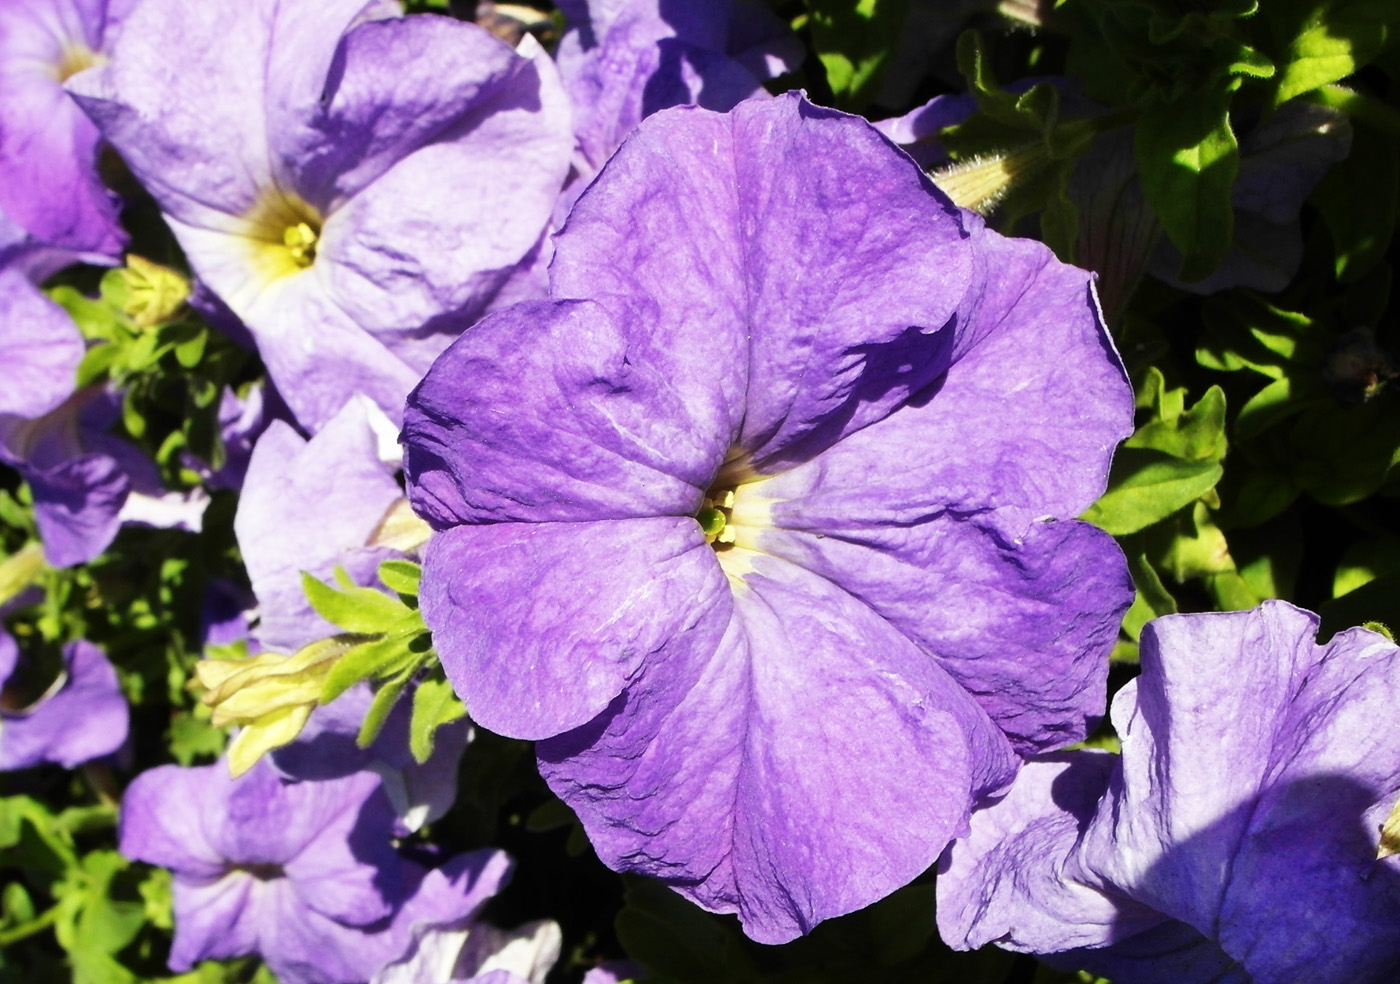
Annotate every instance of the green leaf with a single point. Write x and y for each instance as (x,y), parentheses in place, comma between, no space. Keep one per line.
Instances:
(355,609)
(854,40)
(95,319)
(1365,561)
(1334,39)
(191,350)
(434,704)
(677,940)
(1197,434)
(384,700)
(1192,545)
(1150,600)
(401,576)
(1358,199)
(405,648)
(1277,402)
(1147,486)
(1187,159)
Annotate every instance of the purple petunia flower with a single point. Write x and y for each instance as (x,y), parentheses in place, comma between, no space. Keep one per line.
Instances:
(312,506)
(1234,839)
(82,716)
(355,188)
(327,748)
(302,874)
(48,149)
(751,527)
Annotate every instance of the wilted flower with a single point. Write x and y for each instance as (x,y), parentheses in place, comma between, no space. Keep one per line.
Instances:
(303,874)
(751,525)
(1236,837)
(354,188)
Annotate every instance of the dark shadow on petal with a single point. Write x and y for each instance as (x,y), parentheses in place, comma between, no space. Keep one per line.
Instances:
(908,370)
(1304,897)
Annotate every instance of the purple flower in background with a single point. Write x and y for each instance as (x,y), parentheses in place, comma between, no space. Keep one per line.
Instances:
(48,149)
(310,506)
(479,954)
(623,60)
(751,525)
(355,189)
(82,715)
(302,874)
(1234,839)
(327,749)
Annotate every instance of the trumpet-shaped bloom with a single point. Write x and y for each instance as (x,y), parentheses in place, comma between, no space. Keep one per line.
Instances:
(302,874)
(760,526)
(354,188)
(49,185)
(1235,839)
(82,716)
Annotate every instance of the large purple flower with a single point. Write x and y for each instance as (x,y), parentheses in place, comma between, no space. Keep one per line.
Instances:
(751,525)
(303,874)
(354,188)
(48,148)
(1235,838)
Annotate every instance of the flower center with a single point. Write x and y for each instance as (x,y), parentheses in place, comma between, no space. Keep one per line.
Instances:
(262,872)
(282,232)
(713,517)
(75,57)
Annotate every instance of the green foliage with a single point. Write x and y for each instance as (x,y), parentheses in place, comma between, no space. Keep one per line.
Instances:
(1187,158)
(855,40)
(1358,200)
(393,650)
(170,367)
(1328,40)
(1173,458)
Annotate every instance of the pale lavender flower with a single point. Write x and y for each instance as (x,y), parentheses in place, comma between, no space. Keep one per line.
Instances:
(302,874)
(1234,840)
(49,185)
(310,506)
(479,953)
(355,186)
(81,716)
(883,414)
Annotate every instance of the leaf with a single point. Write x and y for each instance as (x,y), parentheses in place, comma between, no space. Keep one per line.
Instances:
(1364,561)
(854,39)
(434,704)
(1197,434)
(1192,545)
(409,645)
(1277,402)
(1146,487)
(674,938)
(1187,159)
(384,700)
(1358,199)
(355,609)
(401,576)
(1335,38)
(1151,598)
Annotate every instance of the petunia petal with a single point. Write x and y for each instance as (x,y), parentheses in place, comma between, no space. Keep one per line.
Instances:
(602,422)
(752,777)
(535,642)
